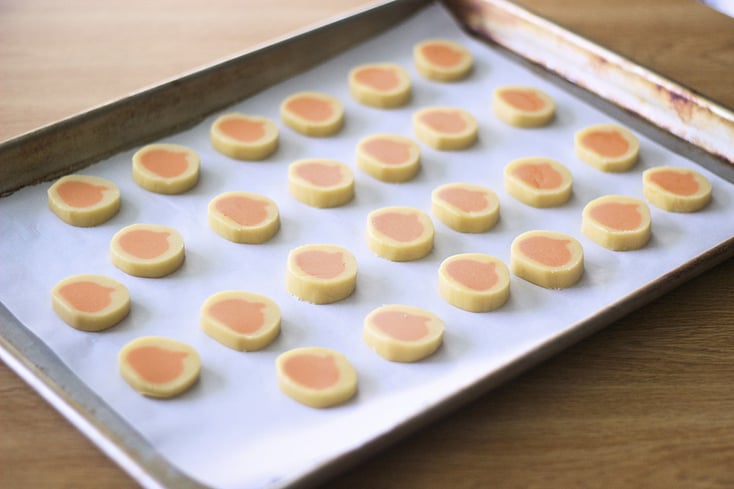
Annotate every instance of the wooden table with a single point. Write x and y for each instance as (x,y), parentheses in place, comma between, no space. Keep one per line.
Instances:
(648,402)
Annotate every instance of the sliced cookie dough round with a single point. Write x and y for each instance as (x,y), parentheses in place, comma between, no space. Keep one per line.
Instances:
(321,273)
(607,147)
(313,114)
(538,182)
(389,157)
(90,302)
(381,85)
(676,189)
(244,217)
(522,106)
(442,60)
(241,320)
(445,128)
(244,137)
(546,258)
(617,222)
(147,250)
(159,367)
(465,207)
(321,183)
(402,333)
(166,168)
(84,201)
(317,377)
(475,282)
(399,233)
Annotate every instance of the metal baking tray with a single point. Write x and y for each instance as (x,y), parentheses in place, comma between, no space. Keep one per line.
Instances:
(671,115)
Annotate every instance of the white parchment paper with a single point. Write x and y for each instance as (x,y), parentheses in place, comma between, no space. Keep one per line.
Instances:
(235,429)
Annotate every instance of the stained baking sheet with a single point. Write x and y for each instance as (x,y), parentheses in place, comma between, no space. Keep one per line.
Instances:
(235,428)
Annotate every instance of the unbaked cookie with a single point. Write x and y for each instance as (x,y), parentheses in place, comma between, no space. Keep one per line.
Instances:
(445,128)
(147,250)
(676,189)
(442,60)
(159,367)
(389,157)
(399,233)
(313,113)
(321,273)
(538,182)
(474,282)
(241,320)
(547,258)
(317,377)
(617,222)
(465,207)
(84,201)
(523,106)
(321,183)
(244,137)
(402,333)
(607,147)
(90,302)
(382,85)
(244,217)
(166,168)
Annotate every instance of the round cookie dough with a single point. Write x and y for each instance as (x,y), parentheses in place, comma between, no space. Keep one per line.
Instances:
(676,189)
(402,333)
(241,320)
(538,182)
(547,258)
(607,147)
(321,183)
(445,128)
(244,217)
(399,233)
(321,273)
(474,282)
(147,250)
(389,157)
(617,222)
(313,114)
(381,85)
(84,201)
(521,106)
(166,168)
(90,302)
(244,137)
(442,60)
(465,207)
(317,377)
(159,367)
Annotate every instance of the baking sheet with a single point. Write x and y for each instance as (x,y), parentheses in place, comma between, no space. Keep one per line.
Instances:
(234,428)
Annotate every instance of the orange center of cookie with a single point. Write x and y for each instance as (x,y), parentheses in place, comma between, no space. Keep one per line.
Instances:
(320,174)
(442,55)
(398,226)
(143,243)
(610,144)
(464,199)
(681,183)
(473,274)
(541,176)
(87,296)
(165,163)
(311,108)
(449,122)
(243,210)
(617,215)
(525,100)
(313,371)
(381,79)
(321,264)
(80,194)
(156,364)
(245,130)
(400,325)
(388,151)
(239,315)
(550,252)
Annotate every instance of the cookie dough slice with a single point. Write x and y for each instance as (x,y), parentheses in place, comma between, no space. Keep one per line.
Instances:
(241,320)
(321,183)
(442,60)
(159,367)
(244,217)
(676,189)
(521,106)
(402,333)
(244,137)
(617,222)
(84,201)
(317,377)
(465,207)
(538,182)
(381,85)
(90,302)
(547,258)
(389,157)
(313,114)
(445,128)
(474,282)
(399,233)
(607,147)
(147,250)
(166,168)
(321,273)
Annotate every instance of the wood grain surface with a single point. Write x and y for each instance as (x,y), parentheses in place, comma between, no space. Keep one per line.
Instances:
(647,402)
